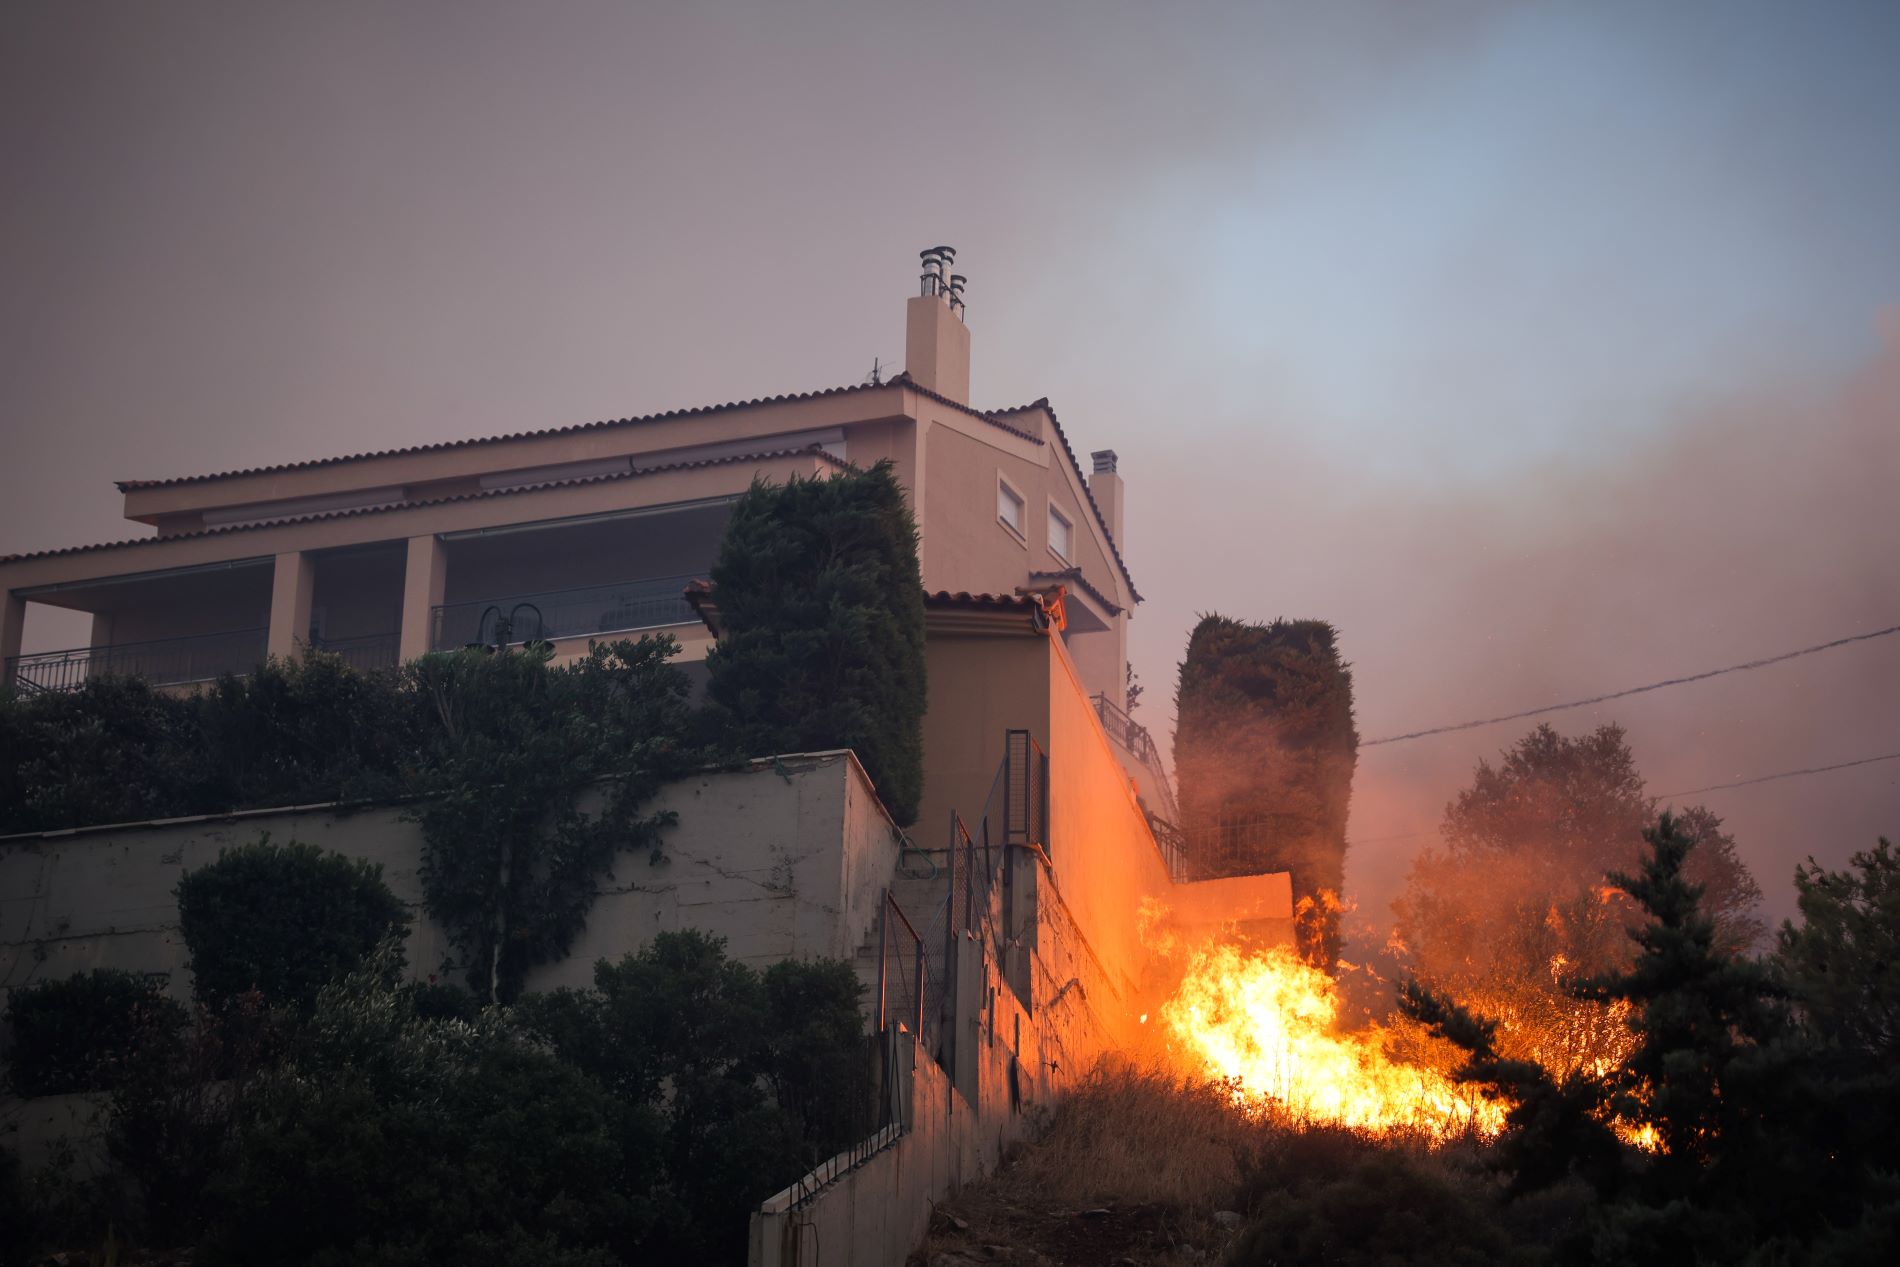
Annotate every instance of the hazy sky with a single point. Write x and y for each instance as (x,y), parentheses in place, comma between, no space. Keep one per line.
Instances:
(1545,349)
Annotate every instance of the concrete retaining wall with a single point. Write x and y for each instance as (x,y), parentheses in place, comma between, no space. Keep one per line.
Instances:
(785,860)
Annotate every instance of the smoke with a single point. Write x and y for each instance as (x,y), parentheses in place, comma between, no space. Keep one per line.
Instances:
(1753,522)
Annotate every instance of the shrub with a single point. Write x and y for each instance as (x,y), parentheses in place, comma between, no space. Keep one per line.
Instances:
(819,590)
(752,1079)
(387,1138)
(309,729)
(113,751)
(1383,1207)
(282,920)
(510,859)
(80,1033)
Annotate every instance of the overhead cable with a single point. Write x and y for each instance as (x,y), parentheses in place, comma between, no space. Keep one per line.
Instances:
(1785,774)
(1634,690)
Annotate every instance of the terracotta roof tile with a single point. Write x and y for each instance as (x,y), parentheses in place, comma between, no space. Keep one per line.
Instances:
(981,602)
(813,451)
(901,380)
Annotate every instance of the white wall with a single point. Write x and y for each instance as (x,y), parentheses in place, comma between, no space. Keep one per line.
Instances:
(785,860)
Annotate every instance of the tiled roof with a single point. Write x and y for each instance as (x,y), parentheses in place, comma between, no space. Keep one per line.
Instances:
(1107,534)
(814,451)
(901,380)
(964,600)
(1074,575)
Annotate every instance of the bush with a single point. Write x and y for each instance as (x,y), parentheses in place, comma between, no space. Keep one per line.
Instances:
(511,862)
(81,1033)
(819,590)
(752,1079)
(282,920)
(113,751)
(1383,1207)
(387,1138)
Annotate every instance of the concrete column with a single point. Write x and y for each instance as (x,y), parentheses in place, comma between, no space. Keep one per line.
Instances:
(293,581)
(12,625)
(422,582)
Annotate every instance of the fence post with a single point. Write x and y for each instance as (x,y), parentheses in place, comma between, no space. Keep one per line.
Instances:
(883,954)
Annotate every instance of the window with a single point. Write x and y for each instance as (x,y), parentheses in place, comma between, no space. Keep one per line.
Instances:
(1061,535)
(1009,507)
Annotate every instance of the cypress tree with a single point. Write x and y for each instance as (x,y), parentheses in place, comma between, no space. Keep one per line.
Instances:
(822,602)
(1264,751)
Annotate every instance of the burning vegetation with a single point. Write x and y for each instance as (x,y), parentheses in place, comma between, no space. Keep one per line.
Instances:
(1265,1023)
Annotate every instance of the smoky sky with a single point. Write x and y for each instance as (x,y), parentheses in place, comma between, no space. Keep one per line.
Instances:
(1544,349)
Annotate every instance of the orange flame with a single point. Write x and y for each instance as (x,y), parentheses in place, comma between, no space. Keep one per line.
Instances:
(1265,1023)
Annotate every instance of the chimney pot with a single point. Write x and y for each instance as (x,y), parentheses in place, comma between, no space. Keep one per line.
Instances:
(936,342)
(1104,461)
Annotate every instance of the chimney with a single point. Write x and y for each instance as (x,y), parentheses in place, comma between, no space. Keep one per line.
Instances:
(936,342)
(1106,487)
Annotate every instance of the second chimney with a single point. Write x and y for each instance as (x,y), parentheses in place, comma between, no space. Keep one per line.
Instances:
(1105,485)
(936,342)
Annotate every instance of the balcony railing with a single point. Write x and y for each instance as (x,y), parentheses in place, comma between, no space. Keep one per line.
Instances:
(163,662)
(1134,737)
(625,606)
(365,653)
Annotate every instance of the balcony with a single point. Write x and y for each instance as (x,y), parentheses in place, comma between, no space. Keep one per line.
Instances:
(590,611)
(364,654)
(162,661)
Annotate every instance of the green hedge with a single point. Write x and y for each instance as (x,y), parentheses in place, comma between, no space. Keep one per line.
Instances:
(822,601)
(82,1032)
(283,920)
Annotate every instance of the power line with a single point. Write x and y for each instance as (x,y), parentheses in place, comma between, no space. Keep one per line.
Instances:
(1635,690)
(1785,774)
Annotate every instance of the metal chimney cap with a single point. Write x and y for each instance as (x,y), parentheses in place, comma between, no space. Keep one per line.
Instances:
(1104,461)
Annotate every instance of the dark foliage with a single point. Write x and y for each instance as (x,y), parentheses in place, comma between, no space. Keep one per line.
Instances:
(1264,752)
(170,1132)
(117,750)
(1518,900)
(113,751)
(754,1078)
(515,749)
(1377,1207)
(1771,1138)
(821,598)
(82,1032)
(1842,962)
(282,920)
(386,1138)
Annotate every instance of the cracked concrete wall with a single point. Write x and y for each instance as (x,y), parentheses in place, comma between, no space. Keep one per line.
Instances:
(785,859)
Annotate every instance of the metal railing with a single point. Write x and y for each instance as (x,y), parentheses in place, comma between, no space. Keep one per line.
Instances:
(895,982)
(1134,737)
(1172,842)
(1252,846)
(621,607)
(162,661)
(364,654)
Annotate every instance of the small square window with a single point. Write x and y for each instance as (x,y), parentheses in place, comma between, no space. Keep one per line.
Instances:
(1061,535)
(1009,507)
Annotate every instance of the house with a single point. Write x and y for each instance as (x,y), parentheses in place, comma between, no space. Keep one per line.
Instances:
(1002,936)
(584,531)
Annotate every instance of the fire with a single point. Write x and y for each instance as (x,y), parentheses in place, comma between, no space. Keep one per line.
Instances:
(1265,1022)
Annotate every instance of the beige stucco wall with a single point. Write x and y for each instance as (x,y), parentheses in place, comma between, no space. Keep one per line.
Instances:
(785,860)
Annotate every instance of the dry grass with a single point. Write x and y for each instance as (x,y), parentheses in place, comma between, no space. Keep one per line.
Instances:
(1140,1136)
